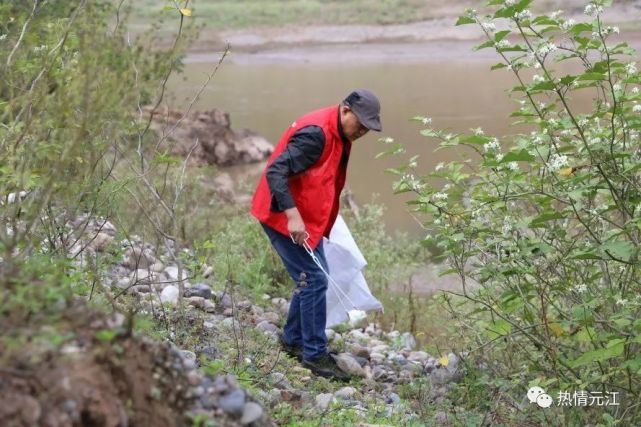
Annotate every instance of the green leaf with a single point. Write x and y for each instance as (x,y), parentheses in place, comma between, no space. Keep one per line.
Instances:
(498,329)
(168,8)
(580,28)
(521,156)
(622,249)
(485,45)
(464,20)
(500,35)
(613,349)
(545,217)
(474,139)
(105,335)
(498,65)
(591,76)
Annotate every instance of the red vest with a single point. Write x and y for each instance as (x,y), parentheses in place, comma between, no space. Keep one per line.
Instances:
(316,191)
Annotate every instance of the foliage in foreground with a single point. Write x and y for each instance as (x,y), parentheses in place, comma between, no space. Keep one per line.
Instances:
(544,228)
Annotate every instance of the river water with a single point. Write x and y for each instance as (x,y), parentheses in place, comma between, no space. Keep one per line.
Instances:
(457,95)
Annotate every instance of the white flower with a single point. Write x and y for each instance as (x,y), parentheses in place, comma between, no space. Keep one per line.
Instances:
(636,108)
(621,301)
(537,65)
(568,24)
(538,79)
(581,288)
(437,197)
(503,44)
(546,48)
(426,120)
(489,26)
(557,162)
(592,9)
(542,105)
(478,132)
(557,14)
(583,122)
(635,90)
(612,30)
(631,68)
(492,145)
(39,48)
(499,157)
(3,36)
(616,87)
(507,226)
(439,166)
(522,16)
(509,3)
(513,166)
(387,140)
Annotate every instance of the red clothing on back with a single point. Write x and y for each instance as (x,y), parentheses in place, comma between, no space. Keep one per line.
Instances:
(315,191)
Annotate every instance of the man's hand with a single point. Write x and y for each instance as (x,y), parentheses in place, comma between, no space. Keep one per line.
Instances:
(296,226)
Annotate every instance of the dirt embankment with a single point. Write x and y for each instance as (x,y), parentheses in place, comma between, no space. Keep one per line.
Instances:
(435,40)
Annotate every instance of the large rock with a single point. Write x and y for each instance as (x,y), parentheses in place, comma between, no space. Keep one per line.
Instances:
(207,138)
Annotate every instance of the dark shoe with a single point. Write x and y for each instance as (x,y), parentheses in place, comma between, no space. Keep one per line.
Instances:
(325,366)
(294,351)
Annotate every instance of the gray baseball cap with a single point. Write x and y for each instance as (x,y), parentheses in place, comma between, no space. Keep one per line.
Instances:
(367,108)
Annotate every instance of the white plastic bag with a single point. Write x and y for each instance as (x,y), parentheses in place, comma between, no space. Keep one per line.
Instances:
(345,263)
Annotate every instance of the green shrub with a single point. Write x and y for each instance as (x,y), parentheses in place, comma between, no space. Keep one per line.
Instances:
(544,228)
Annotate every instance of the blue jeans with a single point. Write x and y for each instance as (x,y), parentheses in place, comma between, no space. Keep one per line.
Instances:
(307,316)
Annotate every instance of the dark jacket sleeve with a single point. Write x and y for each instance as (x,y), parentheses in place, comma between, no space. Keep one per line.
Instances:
(303,150)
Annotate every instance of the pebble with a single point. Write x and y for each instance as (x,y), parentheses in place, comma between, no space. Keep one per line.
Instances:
(348,364)
(345,393)
(251,412)
(280,380)
(271,317)
(408,341)
(157,267)
(323,400)
(198,302)
(199,290)
(233,403)
(169,295)
(209,306)
(267,327)
(418,356)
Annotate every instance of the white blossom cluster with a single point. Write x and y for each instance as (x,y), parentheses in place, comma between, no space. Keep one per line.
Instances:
(523,16)
(546,48)
(510,3)
(631,68)
(581,288)
(492,145)
(412,182)
(592,9)
(3,36)
(636,108)
(556,15)
(566,25)
(489,26)
(503,44)
(439,198)
(611,30)
(557,162)
(537,78)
